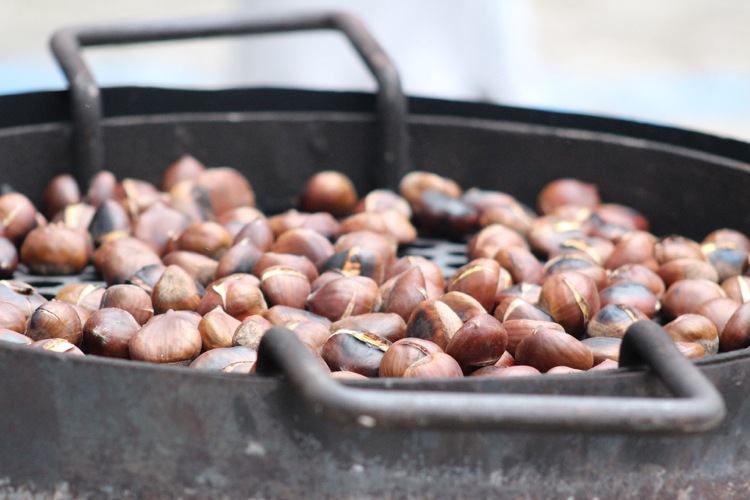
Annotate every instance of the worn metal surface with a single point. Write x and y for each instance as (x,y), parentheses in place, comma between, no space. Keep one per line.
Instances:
(85,95)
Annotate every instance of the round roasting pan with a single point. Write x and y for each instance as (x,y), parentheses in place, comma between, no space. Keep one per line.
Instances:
(99,427)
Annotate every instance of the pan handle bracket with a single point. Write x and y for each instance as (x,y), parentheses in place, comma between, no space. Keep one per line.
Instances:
(86,105)
(694,406)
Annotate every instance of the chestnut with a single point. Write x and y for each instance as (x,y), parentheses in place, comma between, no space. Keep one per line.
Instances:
(549,233)
(279,315)
(567,192)
(522,265)
(55,319)
(545,348)
(320,222)
(346,296)
(298,262)
(479,342)
(226,187)
(737,288)
(529,292)
(14,337)
(251,330)
(634,247)
(57,345)
(430,270)
(681,269)
(618,215)
(407,290)
(206,238)
(61,191)
(110,222)
(613,320)
(258,232)
(22,295)
(487,242)
(433,320)
(634,295)
(382,244)
(130,298)
(727,236)
(390,326)
(464,305)
(435,365)
(517,308)
(329,191)
(217,329)
(107,333)
(718,310)
(120,259)
(728,259)
(184,168)
(312,333)
(175,290)
(519,329)
(443,215)
(413,184)
(736,332)
(384,200)
(11,318)
(352,350)
(18,216)
(56,250)
(571,299)
(159,225)
(169,338)
(685,296)
(239,258)
(237,359)
(638,273)
(238,294)
(284,286)
(677,247)
(307,242)
(357,261)
(403,353)
(696,329)
(604,348)
(510,371)
(579,263)
(201,268)
(479,279)
(101,188)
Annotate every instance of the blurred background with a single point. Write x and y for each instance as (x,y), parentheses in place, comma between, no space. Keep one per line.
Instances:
(677,62)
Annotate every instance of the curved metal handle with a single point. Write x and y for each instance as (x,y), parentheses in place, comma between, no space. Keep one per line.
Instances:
(696,406)
(86,99)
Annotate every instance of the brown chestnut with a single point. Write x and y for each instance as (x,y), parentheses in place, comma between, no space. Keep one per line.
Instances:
(694,328)
(567,192)
(613,320)
(346,296)
(175,290)
(55,319)
(464,305)
(736,333)
(435,365)
(56,250)
(352,350)
(169,338)
(433,320)
(685,296)
(107,333)
(571,299)
(478,278)
(479,342)
(250,331)
(130,298)
(604,348)
(237,359)
(546,348)
(217,329)
(403,353)
(238,294)
(329,191)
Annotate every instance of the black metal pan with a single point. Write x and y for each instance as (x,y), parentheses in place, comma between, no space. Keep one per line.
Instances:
(659,426)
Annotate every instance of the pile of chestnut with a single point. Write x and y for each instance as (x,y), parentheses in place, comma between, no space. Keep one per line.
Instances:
(195,274)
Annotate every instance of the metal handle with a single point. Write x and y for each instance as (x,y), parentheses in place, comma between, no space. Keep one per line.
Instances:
(86,99)
(696,405)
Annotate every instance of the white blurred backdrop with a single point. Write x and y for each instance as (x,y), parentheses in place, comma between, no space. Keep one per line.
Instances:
(677,62)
